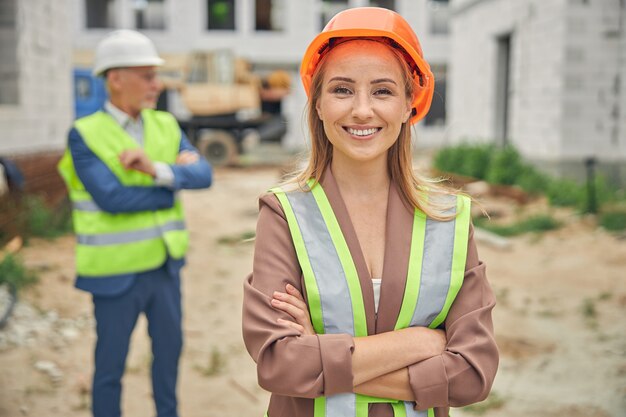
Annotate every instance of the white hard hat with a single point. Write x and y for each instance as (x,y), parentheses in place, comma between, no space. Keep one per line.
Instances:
(125,48)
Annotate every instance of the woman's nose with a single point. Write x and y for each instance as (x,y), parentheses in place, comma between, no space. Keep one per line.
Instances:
(362,107)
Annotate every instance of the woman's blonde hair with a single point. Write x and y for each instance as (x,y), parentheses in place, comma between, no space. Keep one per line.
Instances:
(416,191)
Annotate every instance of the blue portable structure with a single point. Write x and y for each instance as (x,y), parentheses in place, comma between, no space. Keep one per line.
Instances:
(89,92)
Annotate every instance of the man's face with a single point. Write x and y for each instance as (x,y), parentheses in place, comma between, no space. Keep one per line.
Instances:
(134,89)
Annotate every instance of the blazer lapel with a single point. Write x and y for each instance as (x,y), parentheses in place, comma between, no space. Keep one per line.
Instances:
(397,250)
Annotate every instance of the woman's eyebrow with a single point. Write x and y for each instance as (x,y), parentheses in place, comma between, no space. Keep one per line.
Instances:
(344,79)
(383,80)
(376,81)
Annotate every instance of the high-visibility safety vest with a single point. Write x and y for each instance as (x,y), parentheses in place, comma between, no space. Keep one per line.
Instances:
(435,274)
(122,243)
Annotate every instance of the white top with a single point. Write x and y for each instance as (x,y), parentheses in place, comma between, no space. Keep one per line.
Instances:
(376,284)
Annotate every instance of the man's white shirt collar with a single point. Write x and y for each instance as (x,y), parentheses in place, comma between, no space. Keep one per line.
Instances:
(134,127)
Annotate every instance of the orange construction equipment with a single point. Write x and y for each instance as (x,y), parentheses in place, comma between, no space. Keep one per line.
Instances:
(374,22)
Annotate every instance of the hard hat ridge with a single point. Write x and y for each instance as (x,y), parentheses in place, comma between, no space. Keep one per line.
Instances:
(125,48)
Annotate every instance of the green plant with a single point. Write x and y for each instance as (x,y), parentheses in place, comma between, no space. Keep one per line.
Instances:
(447,159)
(614,220)
(217,363)
(235,239)
(41,221)
(15,274)
(538,223)
(465,159)
(532,181)
(476,160)
(562,192)
(505,167)
(588,308)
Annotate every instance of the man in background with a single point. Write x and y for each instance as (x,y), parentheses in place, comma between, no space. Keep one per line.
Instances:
(123,167)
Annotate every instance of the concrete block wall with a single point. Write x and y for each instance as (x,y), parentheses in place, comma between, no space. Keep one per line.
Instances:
(621,113)
(566,79)
(591,97)
(43,115)
(536,29)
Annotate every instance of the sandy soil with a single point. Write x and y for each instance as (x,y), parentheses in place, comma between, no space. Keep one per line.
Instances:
(559,321)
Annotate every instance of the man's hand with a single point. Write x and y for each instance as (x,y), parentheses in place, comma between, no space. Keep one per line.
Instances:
(138,160)
(187,157)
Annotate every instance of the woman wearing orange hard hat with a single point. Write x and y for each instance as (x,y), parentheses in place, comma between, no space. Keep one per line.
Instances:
(367,297)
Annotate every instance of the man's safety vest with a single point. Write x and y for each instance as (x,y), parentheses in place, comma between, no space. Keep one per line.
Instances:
(122,243)
(435,274)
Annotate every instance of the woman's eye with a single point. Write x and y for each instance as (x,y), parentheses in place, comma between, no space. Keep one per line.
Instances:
(383,91)
(341,90)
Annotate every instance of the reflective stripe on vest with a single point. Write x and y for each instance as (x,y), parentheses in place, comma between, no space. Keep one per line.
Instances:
(104,239)
(86,205)
(435,274)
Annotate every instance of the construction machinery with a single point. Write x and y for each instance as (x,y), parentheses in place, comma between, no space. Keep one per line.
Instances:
(223,107)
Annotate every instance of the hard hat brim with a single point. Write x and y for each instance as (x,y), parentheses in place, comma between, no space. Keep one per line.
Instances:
(151,62)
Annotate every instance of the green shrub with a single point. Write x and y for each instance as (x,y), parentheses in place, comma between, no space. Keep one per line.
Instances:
(41,221)
(14,273)
(447,159)
(476,160)
(505,167)
(605,192)
(614,220)
(532,181)
(539,223)
(563,192)
(465,159)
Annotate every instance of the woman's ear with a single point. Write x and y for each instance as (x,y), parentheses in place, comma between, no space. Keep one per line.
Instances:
(408,113)
(319,111)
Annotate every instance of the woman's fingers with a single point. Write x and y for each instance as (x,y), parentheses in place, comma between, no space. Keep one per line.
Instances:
(292,299)
(294,291)
(291,324)
(293,304)
(301,316)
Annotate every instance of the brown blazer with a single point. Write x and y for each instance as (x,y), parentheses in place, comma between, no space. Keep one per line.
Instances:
(296,369)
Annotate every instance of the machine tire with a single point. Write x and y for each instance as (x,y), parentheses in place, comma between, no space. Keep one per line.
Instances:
(218,147)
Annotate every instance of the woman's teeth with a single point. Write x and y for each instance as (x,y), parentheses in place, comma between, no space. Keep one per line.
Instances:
(364,132)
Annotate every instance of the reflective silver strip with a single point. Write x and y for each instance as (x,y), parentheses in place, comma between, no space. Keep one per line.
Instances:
(341,405)
(329,274)
(129,237)
(411,412)
(331,283)
(86,205)
(436,270)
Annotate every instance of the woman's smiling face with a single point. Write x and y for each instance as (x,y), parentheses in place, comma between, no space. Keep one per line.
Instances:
(363,101)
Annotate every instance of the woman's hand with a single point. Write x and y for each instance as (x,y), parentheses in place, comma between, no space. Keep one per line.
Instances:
(292,303)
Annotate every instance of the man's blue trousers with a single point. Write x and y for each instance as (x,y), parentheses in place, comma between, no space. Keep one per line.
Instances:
(155,293)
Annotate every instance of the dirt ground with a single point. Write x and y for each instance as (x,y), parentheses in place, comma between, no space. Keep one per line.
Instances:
(559,321)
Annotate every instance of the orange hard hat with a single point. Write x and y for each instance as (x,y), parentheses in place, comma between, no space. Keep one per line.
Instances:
(375,22)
